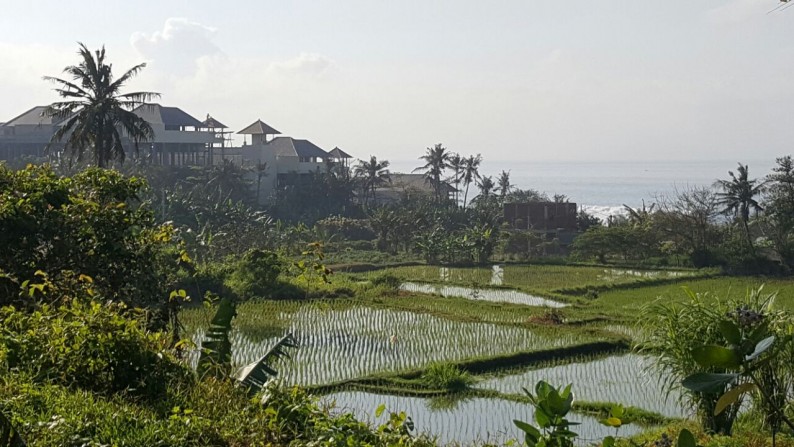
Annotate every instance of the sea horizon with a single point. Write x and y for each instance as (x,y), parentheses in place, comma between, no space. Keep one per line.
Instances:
(604,187)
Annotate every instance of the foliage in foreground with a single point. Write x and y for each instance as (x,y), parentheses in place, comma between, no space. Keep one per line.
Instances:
(87,374)
(101,349)
(551,407)
(679,335)
(92,224)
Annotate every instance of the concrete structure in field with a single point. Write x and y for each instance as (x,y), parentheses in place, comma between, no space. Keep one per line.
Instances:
(551,220)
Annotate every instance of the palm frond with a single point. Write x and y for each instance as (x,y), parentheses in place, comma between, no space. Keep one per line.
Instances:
(132,72)
(256,374)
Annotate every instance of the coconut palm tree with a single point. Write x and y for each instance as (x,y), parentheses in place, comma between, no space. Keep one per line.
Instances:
(457,164)
(471,173)
(486,185)
(95,112)
(503,185)
(373,173)
(436,162)
(738,197)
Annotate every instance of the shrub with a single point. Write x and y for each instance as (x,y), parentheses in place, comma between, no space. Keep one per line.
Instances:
(255,275)
(95,347)
(91,223)
(677,331)
(445,376)
(349,229)
(387,280)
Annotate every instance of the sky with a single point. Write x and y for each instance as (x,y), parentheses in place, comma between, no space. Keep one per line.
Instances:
(514,80)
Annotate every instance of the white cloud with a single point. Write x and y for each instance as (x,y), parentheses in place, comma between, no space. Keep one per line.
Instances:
(177,46)
(309,64)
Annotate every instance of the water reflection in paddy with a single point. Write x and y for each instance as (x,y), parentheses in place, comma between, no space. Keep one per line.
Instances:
(465,421)
(494,295)
(621,379)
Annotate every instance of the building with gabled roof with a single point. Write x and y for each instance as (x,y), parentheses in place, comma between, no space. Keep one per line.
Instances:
(28,134)
(181,139)
(177,140)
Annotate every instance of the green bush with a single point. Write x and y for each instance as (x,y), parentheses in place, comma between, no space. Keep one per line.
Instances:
(445,376)
(346,228)
(92,223)
(677,331)
(387,280)
(255,275)
(95,347)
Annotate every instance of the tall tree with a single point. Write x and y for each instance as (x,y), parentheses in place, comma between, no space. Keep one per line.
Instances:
(503,185)
(471,173)
(373,173)
(436,162)
(780,208)
(457,163)
(738,198)
(95,111)
(486,185)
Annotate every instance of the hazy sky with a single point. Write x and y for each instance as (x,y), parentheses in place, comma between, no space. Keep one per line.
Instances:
(513,80)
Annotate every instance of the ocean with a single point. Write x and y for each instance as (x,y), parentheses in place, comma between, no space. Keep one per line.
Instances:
(602,188)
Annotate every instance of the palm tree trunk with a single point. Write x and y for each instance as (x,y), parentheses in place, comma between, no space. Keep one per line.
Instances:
(749,238)
(466,195)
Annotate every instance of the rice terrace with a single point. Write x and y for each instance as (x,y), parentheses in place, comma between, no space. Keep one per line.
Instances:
(374,347)
(453,223)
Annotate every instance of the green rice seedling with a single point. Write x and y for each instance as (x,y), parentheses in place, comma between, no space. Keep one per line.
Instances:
(342,339)
(445,376)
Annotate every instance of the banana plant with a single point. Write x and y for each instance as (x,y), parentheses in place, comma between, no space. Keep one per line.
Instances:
(216,353)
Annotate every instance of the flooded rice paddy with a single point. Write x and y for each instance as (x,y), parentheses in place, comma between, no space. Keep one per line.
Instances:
(466,421)
(625,379)
(341,344)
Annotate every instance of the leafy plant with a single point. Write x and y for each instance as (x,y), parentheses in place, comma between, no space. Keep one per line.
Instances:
(551,405)
(675,330)
(255,275)
(216,352)
(747,363)
(312,268)
(216,348)
(103,348)
(256,374)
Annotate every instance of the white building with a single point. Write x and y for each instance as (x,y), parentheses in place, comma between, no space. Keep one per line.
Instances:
(180,139)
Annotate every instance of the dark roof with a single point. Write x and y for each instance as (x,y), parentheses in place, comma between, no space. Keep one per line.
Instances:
(339,153)
(414,181)
(259,128)
(212,123)
(32,117)
(168,116)
(290,147)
